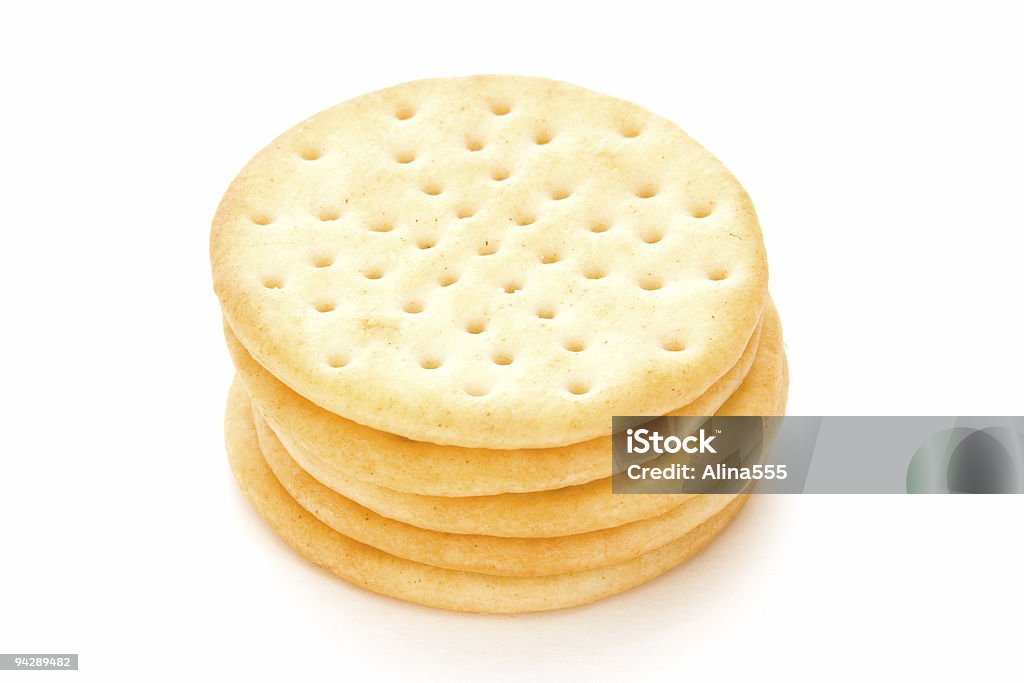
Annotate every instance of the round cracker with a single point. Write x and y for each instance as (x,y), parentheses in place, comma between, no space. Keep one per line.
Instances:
(490,262)
(375,570)
(560,512)
(392,461)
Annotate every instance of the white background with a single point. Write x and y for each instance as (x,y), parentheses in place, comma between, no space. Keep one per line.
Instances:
(881,144)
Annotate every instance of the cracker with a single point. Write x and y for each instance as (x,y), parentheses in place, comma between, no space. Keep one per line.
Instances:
(487,554)
(338,444)
(560,512)
(387,574)
(490,262)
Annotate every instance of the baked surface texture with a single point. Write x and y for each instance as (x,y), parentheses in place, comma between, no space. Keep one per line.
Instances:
(490,262)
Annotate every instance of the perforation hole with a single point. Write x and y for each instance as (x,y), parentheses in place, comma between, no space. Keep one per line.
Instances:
(560,193)
(430,362)
(324,306)
(542,137)
(501,108)
(652,235)
(599,226)
(718,274)
(594,272)
(310,154)
(338,360)
(512,287)
(426,243)
(477,390)
(488,248)
(474,145)
(405,157)
(329,215)
(465,212)
(550,257)
(701,212)
(381,226)
(404,112)
(502,358)
(431,188)
(524,219)
(476,326)
(373,272)
(577,387)
(650,283)
(413,307)
(630,130)
(500,174)
(262,219)
(646,191)
(545,313)
(447,280)
(322,260)
(273,282)
(673,345)
(575,345)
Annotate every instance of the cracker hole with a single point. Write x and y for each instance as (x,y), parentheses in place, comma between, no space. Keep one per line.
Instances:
(501,108)
(512,287)
(560,193)
(262,219)
(474,145)
(405,157)
(322,261)
(578,387)
(325,306)
(502,358)
(594,273)
(550,257)
(574,345)
(431,188)
(477,390)
(426,243)
(338,360)
(500,174)
(310,154)
(447,280)
(673,345)
(599,226)
(404,112)
(488,248)
(273,283)
(652,235)
(701,212)
(465,212)
(373,273)
(630,130)
(524,219)
(381,226)
(542,137)
(413,307)
(329,215)
(646,191)
(650,283)
(476,326)
(430,362)
(545,313)
(718,274)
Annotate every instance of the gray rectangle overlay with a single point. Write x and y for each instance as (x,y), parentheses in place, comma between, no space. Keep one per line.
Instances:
(34,662)
(811,454)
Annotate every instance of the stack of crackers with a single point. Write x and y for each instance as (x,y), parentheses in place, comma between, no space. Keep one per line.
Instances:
(437,296)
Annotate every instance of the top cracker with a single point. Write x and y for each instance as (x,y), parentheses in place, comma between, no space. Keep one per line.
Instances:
(491,261)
